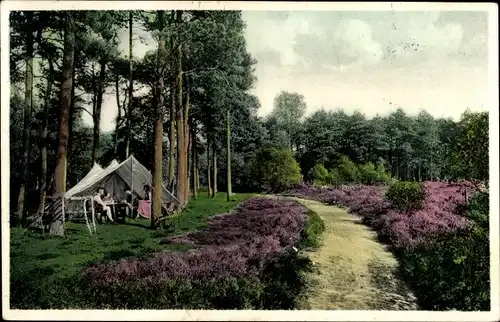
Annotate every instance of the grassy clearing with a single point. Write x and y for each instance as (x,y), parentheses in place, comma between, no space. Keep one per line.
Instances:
(354,271)
(37,261)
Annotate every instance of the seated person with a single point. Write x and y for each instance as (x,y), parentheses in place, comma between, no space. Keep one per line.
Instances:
(98,198)
(128,202)
(147,192)
(108,198)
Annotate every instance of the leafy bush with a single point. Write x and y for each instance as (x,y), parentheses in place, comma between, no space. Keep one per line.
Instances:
(368,173)
(382,175)
(406,195)
(348,171)
(452,272)
(276,169)
(479,208)
(319,174)
(333,178)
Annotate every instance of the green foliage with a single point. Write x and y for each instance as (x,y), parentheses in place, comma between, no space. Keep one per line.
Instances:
(454,271)
(319,174)
(411,148)
(312,234)
(334,178)
(406,195)
(382,175)
(470,156)
(276,169)
(479,208)
(289,108)
(348,170)
(370,174)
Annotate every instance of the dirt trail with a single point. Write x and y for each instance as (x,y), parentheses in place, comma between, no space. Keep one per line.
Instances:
(354,271)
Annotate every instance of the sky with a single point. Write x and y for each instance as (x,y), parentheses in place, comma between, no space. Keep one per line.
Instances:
(374,61)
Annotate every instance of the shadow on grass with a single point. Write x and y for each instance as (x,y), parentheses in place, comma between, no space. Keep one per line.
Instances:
(147,227)
(44,256)
(392,291)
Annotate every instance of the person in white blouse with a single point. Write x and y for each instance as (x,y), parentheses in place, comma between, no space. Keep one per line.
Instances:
(98,198)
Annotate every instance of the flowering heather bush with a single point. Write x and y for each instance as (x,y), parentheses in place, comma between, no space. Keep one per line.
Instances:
(252,241)
(210,263)
(281,220)
(401,229)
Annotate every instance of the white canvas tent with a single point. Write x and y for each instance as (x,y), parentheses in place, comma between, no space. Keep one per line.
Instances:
(116,178)
(88,177)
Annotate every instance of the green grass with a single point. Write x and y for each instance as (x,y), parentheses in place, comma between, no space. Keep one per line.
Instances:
(41,259)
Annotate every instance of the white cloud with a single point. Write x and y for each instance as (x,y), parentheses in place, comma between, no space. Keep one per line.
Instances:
(354,43)
(265,35)
(417,37)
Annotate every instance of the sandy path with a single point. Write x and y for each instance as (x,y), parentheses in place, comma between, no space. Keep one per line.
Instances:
(354,271)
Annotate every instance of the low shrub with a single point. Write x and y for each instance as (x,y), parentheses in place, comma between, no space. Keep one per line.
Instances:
(382,175)
(319,174)
(452,272)
(478,209)
(348,171)
(368,173)
(406,195)
(276,169)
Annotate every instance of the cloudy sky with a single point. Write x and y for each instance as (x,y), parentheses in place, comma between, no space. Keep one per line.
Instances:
(369,61)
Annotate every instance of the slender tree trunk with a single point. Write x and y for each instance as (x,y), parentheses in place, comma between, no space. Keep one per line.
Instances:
(209,169)
(172,138)
(71,115)
(214,163)
(228,129)
(194,161)
(185,153)
(118,118)
(130,84)
(158,160)
(43,138)
(172,117)
(189,162)
(180,134)
(182,128)
(95,90)
(97,116)
(197,173)
(397,165)
(56,227)
(28,102)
